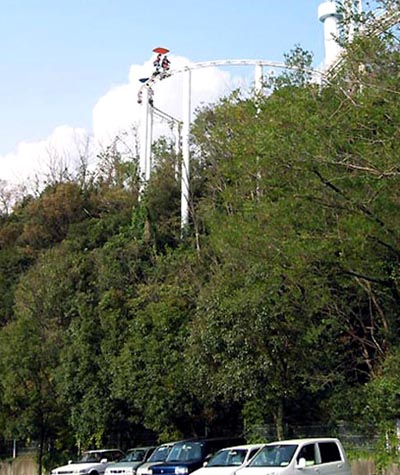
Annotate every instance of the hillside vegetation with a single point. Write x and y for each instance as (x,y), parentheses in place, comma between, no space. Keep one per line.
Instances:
(279,305)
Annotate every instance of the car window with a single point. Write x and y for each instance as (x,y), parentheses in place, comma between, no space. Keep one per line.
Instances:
(160,454)
(308,453)
(277,455)
(329,452)
(185,451)
(136,455)
(236,457)
(111,456)
(227,458)
(90,457)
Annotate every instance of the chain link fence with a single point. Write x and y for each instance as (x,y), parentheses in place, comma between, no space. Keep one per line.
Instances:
(12,448)
(353,437)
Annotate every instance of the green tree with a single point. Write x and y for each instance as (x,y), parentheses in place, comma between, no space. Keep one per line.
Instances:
(150,371)
(30,350)
(311,195)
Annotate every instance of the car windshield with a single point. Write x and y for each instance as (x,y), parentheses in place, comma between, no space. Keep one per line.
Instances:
(160,454)
(185,451)
(277,455)
(227,458)
(92,457)
(136,455)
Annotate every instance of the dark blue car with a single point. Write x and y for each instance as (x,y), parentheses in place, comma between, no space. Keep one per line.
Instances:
(186,457)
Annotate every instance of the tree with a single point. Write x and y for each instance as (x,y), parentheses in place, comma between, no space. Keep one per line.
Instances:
(161,200)
(47,219)
(150,371)
(308,201)
(30,350)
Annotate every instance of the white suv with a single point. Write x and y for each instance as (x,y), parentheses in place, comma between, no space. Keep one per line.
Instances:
(92,462)
(322,456)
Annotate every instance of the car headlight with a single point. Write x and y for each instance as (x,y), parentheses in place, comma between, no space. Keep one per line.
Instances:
(181,470)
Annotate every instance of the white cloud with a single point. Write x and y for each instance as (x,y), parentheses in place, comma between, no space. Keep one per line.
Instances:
(115,113)
(63,149)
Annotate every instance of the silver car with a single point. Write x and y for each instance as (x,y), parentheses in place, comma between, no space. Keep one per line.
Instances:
(133,459)
(322,456)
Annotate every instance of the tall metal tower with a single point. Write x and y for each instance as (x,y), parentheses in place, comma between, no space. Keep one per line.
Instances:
(329,14)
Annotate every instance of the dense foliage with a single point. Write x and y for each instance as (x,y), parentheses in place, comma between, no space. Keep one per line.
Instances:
(279,306)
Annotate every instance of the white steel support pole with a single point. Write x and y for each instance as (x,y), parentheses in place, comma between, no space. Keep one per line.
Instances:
(144,124)
(149,142)
(177,134)
(258,90)
(258,79)
(186,113)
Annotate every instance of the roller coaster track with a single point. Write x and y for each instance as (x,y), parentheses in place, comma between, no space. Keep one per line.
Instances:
(226,62)
(236,62)
(383,22)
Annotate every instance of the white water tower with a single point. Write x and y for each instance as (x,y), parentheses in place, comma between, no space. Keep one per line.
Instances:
(329,15)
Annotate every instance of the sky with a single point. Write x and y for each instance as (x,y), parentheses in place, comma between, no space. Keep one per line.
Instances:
(69,69)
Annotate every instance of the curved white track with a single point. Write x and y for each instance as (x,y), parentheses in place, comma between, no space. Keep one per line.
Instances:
(227,62)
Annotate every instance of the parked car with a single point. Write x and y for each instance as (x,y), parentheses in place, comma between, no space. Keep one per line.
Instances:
(187,456)
(132,460)
(324,456)
(92,462)
(158,456)
(227,461)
